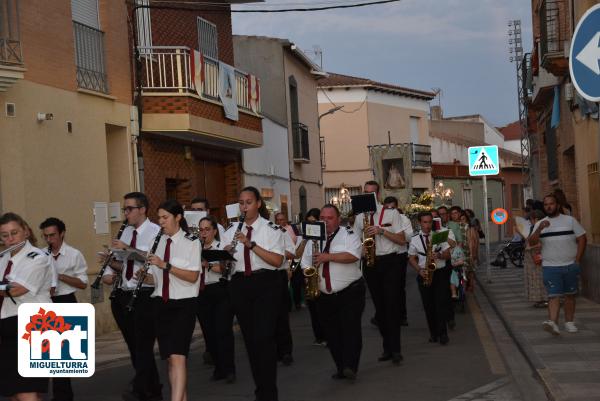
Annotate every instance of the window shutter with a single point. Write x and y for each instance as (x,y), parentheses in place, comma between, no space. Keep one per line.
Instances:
(85,12)
(208,39)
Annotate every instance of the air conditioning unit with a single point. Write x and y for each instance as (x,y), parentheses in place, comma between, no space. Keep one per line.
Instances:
(569,91)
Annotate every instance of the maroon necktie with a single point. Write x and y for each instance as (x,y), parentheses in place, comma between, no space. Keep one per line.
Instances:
(248,267)
(6,273)
(426,240)
(202,280)
(165,280)
(372,222)
(56,256)
(129,272)
(326,274)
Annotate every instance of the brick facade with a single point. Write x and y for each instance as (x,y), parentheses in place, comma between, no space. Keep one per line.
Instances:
(196,107)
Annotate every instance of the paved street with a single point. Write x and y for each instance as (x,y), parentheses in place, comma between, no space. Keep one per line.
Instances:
(470,368)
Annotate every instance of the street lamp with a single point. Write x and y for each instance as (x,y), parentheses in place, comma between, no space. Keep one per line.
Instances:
(330,111)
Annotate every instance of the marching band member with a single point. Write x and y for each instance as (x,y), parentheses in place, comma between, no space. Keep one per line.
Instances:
(214,307)
(176,275)
(201,205)
(284,331)
(435,297)
(71,269)
(27,271)
(255,289)
(390,231)
(137,327)
(311,216)
(342,300)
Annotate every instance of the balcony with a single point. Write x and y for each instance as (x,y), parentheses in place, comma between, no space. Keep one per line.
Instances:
(89,58)
(301,143)
(168,70)
(420,156)
(11,56)
(554,36)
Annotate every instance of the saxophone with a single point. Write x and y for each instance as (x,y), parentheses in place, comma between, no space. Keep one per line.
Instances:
(311,275)
(368,241)
(429,265)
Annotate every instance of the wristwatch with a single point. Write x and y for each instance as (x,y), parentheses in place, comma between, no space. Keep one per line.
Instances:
(381,231)
(168,267)
(252,245)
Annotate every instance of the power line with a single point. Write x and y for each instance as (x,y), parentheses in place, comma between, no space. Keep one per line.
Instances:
(283,10)
(342,110)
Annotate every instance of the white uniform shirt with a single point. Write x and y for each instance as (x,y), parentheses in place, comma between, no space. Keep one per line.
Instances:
(559,247)
(146,233)
(210,277)
(416,248)
(54,274)
(221,230)
(184,253)
(71,263)
(341,274)
(266,235)
(391,221)
(31,269)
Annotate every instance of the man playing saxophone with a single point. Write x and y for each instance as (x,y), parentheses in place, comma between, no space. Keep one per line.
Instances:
(434,285)
(342,300)
(391,232)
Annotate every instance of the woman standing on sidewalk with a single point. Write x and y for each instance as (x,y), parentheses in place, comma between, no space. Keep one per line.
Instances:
(534,284)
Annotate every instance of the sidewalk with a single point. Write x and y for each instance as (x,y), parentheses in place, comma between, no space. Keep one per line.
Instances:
(568,365)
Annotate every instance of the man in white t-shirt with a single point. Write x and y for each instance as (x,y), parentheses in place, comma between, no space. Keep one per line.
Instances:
(563,244)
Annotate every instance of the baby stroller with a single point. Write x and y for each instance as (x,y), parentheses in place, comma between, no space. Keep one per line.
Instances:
(511,250)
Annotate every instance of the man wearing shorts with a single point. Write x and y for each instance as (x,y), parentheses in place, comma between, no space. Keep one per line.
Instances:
(563,244)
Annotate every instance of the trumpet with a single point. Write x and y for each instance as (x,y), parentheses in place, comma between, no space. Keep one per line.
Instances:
(109,258)
(311,274)
(229,265)
(144,273)
(368,240)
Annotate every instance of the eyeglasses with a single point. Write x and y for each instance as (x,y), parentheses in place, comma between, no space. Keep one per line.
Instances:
(6,235)
(129,209)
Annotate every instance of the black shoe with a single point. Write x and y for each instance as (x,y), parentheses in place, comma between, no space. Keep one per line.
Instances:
(338,376)
(287,359)
(403,322)
(451,324)
(433,339)
(444,339)
(386,356)
(230,378)
(397,358)
(349,374)
(374,322)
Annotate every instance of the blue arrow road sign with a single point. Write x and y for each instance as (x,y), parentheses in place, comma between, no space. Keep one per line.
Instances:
(483,160)
(584,60)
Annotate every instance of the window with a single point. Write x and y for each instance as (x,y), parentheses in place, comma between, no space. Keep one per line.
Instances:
(208,39)
(303,200)
(516,196)
(414,130)
(85,12)
(301,145)
(143,24)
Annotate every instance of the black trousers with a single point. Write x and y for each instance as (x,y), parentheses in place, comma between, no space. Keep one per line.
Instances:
(315,321)
(383,280)
(403,264)
(436,299)
(340,315)
(215,315)
(61,388)
(137,328)
(297,284)
(284,332)
(256,302)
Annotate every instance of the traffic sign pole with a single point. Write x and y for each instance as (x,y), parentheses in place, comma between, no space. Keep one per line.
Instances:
(486,230)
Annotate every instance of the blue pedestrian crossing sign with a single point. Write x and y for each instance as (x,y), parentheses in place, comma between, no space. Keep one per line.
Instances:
(584,60)
(483,160)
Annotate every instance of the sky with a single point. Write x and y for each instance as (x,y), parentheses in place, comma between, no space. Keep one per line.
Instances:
(460,46)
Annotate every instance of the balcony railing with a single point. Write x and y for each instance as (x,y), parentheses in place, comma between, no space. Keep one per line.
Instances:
(89,58)
(553,28)
(168,69)
(300,142)
(10,42)
(420,155)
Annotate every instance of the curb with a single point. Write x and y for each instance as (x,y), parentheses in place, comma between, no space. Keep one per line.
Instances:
(538,368)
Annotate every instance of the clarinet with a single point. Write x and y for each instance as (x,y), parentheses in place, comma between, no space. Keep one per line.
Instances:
(109,258)
(144,273)
(229,265)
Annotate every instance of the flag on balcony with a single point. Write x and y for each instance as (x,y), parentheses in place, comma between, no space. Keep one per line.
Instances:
(555,120)
(228,91)
(198,74)
(253,92)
